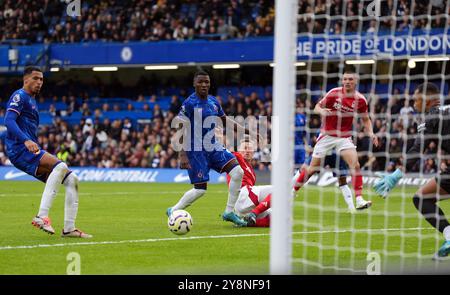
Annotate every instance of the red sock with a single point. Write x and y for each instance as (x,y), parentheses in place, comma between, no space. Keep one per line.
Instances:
(357,182)
(300,180)
(263,206)
(263,222)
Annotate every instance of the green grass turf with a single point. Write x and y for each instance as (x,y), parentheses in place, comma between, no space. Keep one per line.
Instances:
(327,239)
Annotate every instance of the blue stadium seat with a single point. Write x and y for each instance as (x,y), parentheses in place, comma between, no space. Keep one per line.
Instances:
(247,90)
(382,88)
(401,86)
(334,85)
(412,86)
(315,87)
(132,115)
(45,118)
(228,90)
(59,106)
(43,106)
(139,105)
(73,118)
(164,102)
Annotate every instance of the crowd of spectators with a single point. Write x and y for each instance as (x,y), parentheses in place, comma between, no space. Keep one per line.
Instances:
(339,16)
(102,142)
(46,21)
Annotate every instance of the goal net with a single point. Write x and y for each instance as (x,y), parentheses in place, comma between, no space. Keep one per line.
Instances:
(393,46)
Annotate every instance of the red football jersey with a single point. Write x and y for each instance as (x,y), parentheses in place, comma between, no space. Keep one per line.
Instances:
(249,174)
(343,108)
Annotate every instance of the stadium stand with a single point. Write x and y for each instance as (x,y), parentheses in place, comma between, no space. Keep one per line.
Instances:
(135,131)
(39,21)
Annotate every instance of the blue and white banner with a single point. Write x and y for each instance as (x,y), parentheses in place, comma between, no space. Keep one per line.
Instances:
(418,43)
(118,175)
(316,46)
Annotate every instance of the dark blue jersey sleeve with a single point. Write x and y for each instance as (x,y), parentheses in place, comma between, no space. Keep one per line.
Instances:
(15,103)
(12,127)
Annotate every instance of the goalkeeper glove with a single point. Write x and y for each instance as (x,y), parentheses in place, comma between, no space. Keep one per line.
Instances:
(387,182)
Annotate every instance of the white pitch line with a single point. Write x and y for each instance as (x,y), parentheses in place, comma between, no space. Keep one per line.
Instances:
(112,193)
(198,238)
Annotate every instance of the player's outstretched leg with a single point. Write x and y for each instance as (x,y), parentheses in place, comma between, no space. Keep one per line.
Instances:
(347,194)
(188,198)
(43,223)
(351,158)
(71,208)
(302,176)
(425,202)
(52,185)
(236,173)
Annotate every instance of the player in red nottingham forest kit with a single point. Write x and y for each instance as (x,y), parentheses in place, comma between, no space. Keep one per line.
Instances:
(338,109)
(250,195)
(254,200)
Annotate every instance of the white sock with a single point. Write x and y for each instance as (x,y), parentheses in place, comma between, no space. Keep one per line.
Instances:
(348,196)
(235,186)
(71,205)
(188,198)
(51,188)
(294,179)
(359,199)
(446,233)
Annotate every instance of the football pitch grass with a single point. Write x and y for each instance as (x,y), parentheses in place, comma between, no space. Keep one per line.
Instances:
(130,231)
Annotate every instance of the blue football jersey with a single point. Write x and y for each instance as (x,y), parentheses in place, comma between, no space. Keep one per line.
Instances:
(203,115)
(28,116)
(300,133)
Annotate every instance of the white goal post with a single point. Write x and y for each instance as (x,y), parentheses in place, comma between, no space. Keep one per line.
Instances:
(284,92)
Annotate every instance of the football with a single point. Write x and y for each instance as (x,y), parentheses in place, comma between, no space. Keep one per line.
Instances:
(180,222)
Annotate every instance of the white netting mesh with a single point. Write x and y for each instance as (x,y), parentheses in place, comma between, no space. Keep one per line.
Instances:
(326,237)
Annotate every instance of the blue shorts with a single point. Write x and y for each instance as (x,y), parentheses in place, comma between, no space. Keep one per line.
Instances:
(201,162)
(331,161)
(26,161)
(299,156)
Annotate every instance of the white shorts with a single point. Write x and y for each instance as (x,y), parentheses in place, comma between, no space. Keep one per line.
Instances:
(245,204)
(326,143)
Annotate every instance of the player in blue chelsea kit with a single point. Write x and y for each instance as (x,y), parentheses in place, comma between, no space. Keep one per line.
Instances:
(300,136)
(200,156)
(22,122)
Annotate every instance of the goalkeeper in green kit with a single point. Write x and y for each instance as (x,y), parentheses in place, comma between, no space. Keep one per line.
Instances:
(435,126)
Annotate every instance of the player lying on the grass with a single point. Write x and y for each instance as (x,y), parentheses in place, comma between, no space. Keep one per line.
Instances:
(203,153)
(251,195)
(255,201)
(338,110)
(22,122)
(435,127)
